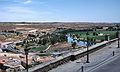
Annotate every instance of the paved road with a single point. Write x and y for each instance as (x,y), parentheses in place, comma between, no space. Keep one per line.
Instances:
(95,59)
(113,66)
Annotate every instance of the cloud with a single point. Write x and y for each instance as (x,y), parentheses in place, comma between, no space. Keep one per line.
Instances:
(18,10)
(27,1)
(16,1)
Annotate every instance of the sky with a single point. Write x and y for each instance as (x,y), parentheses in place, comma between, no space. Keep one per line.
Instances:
(60,10)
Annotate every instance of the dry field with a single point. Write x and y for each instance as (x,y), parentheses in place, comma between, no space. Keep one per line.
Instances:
(52,25)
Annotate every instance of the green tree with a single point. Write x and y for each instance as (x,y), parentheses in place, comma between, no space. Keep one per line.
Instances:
(87,33)
(94,33)
(44,41)
(53,41)
(74,44)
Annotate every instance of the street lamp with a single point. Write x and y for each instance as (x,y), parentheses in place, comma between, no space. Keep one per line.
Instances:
(118,35)
(87,49)
(26,54)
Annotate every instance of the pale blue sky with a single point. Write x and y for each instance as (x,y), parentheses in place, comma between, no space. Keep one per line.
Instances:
(60,10)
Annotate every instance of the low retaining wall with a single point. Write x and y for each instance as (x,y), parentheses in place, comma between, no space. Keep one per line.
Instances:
(45,67)
(94,48)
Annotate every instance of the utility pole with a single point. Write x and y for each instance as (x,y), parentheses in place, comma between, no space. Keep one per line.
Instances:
(81,68)
(87,49)
(118,35)
(26,54)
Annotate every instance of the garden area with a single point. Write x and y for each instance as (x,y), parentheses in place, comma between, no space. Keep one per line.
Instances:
(94,36)
(38,48)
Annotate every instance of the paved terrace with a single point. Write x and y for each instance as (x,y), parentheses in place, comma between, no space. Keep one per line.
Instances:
(63,59)
(97,59)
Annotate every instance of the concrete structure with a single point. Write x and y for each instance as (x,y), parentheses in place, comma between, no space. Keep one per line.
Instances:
(5,44)
(45,67)
(100,61)
(1,50)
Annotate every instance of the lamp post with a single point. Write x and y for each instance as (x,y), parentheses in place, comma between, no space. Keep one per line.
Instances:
(87,49)
(118,35)
(26,54)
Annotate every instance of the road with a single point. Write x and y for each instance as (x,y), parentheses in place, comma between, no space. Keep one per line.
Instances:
(97,58)
(113,66)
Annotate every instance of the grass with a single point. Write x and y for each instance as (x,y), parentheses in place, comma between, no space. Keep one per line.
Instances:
(45,54)
(40,48)
(83,34)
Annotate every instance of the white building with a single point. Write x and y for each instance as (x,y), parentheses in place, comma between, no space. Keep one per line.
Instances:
(5,44)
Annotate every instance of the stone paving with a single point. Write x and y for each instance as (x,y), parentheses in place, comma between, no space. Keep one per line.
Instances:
(101,56)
